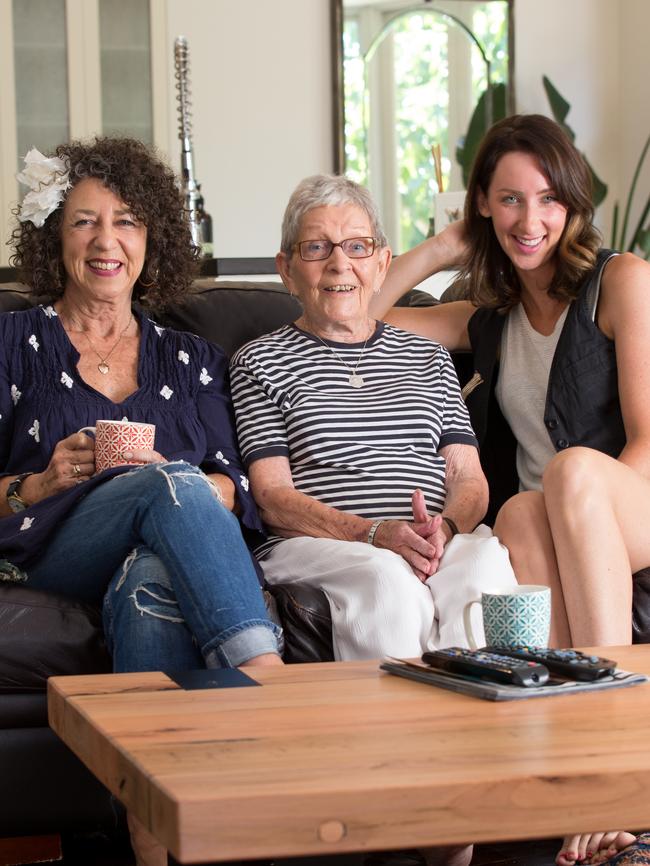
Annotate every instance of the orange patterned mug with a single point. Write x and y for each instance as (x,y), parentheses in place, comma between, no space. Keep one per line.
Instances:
(113,438)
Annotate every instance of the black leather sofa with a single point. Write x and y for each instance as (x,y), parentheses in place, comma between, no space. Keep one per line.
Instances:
(43,787)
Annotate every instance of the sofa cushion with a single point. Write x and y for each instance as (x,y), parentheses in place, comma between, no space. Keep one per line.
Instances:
(15,296)
(44,634)
(233,312)
(230,313)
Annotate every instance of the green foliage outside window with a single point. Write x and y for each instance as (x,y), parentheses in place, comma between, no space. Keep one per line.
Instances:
(420,50)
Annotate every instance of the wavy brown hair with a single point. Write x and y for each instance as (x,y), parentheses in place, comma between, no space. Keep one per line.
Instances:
(488,274)
(134,173)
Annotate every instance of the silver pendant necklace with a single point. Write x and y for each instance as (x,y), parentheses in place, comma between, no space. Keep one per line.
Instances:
(354,379)
(103,366)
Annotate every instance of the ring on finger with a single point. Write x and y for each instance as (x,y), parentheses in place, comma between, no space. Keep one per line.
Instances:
(76,470)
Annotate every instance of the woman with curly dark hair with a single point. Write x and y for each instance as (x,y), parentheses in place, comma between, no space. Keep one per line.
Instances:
(126,168)
(102,226)
(155,537)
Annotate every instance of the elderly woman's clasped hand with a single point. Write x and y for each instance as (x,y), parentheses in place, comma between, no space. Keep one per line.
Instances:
(421,543)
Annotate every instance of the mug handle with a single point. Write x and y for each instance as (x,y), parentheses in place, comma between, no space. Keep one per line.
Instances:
(467,623)
(85,429)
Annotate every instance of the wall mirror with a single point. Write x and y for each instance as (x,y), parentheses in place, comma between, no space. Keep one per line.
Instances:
(415,82)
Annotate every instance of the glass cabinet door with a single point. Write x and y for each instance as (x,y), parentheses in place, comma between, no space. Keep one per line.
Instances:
(73,69)
(41,75)
(125,54)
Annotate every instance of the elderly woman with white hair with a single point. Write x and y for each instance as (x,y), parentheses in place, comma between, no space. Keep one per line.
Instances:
(358,445)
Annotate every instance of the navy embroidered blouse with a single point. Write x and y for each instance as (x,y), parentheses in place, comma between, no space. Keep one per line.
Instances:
(182,389)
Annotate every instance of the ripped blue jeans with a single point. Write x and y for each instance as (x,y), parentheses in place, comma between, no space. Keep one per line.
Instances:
(170,513)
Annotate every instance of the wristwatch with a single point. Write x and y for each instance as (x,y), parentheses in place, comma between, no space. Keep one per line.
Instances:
(14,500)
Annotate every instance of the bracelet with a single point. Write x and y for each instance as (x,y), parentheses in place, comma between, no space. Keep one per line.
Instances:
(450,523)
(373,531)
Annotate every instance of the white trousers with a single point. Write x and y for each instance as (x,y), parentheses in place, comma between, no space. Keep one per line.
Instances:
(379,607)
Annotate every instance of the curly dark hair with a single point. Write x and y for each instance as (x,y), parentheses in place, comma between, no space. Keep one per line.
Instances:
(135,173)
(488,275)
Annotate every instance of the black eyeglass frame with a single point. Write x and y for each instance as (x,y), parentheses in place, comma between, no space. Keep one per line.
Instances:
(332,244)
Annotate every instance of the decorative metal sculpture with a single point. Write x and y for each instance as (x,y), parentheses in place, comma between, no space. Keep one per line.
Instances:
(200,221)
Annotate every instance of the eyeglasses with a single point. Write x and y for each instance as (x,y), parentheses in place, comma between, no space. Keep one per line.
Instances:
(354,248)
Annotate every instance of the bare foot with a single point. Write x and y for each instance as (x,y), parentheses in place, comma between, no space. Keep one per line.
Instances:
(448,855)
(588,848)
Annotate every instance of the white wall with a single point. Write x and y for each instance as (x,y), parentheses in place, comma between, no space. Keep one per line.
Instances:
(595,53)
(634,121)
(262,98)
(261,83)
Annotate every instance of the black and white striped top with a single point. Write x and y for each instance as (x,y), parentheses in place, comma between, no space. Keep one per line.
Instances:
(361,450)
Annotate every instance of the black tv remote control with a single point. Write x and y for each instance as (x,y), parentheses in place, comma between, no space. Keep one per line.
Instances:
(568,663)
(487,665)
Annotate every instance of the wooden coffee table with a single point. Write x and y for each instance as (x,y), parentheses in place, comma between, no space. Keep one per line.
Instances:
(341,757)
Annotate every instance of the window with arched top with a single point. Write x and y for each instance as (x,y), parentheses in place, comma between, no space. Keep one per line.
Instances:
(418,83)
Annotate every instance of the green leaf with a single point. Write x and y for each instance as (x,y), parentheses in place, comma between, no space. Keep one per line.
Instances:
(480,121)
(614,243)
(599,189)
(640,233)
(559,106)
(643,242)
(630,196)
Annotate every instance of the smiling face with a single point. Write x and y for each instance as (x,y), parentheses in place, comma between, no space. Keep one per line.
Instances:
(103,243)
(527,217)
(335,292)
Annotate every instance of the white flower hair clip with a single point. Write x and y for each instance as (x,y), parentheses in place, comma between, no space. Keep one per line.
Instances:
(48,180)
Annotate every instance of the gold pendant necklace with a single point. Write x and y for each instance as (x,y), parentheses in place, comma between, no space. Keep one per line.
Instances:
(103,366)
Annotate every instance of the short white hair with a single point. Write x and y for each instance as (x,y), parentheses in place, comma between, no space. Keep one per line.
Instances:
(321,190)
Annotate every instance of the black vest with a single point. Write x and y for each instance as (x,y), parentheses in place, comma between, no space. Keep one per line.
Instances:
(582,405)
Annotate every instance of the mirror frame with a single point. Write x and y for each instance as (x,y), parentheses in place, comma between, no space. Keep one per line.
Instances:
(338,111)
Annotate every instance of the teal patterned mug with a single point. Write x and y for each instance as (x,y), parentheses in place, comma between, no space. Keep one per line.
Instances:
(519,616)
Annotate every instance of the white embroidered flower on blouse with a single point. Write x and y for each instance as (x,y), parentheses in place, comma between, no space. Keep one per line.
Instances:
(158,330)
(219,456)
(125,418)
(244,482)
(15,394)
(166,392)
(205,377)
(66,380)
(33,342)
(49,311)
(35,430)
(26,524)
(184,357)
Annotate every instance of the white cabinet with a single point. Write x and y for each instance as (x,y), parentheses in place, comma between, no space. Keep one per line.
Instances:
(74,68)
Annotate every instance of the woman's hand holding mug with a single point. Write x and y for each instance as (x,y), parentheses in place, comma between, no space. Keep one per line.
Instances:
(118,443)
(72,461)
